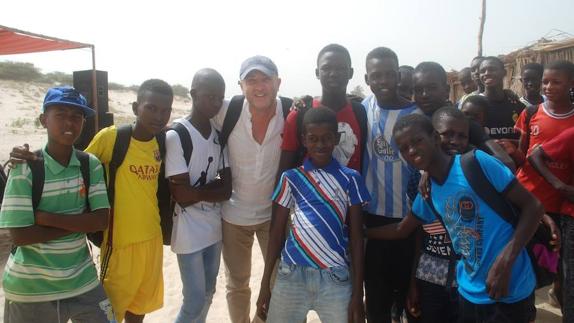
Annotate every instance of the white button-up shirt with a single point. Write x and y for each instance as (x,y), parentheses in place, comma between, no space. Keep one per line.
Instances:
(253,167)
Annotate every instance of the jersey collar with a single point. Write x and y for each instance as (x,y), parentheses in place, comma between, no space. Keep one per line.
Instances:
(331,167)
(54,166)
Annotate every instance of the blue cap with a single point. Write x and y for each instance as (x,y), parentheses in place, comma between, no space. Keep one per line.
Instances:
(67,95)
(260,63)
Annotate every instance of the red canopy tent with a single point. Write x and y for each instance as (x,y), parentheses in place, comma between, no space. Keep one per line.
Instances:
(14,41)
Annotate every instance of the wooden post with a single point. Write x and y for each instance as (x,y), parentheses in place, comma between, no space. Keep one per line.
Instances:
(95,90)
(481,29)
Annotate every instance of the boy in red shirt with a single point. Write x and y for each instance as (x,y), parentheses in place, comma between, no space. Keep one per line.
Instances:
(560,152)
(551,118)
(334,71)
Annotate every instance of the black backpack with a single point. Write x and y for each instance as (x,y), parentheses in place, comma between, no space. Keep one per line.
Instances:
(359,111)
(234,111)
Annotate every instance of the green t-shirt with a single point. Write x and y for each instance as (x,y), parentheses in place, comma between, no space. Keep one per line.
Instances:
(59,268)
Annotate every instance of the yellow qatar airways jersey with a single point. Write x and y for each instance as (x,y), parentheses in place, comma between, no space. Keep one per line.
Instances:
(136,214)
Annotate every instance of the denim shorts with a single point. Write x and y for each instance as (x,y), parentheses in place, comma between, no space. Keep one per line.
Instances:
(299,289)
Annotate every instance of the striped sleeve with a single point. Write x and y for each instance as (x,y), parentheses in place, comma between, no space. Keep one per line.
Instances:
(17,208)
(358,193)
(97,193)
(282,194)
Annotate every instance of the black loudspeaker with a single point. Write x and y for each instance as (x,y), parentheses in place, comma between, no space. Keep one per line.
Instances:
(83,83)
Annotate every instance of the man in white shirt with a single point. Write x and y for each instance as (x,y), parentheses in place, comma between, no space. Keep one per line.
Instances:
(254,148)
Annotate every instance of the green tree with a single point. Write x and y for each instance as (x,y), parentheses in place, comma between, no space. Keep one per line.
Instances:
(358,91)
(58,77)
(19,71)
(180,90)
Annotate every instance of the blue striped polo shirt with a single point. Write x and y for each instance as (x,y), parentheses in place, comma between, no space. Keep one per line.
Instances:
(318,236)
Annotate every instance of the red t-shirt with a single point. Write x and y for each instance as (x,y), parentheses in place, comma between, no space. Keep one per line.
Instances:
(561,151)
(347,152)
(543,127)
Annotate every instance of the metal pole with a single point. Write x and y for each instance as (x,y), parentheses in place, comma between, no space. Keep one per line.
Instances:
(95,90)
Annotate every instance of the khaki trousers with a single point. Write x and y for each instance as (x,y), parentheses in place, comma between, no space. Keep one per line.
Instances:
(237,246)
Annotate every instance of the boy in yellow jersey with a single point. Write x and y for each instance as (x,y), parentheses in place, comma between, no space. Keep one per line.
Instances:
(133,277)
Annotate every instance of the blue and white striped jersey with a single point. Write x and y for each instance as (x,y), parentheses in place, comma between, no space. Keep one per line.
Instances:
(390,180)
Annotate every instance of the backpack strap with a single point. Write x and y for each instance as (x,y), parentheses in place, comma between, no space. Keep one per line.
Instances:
(121,145)
(484,189)
(361,116)
(524,141)
(84,159)
(160,138)
(3,181)
(164,202)
(231,118)
(234,111)
(184,139)
(38,177)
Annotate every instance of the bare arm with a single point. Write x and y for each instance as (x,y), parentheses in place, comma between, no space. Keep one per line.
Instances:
(216,191)
(85,222)
(531,213)
(538,159)
(513,150)
(395,231)
(35,234)
(356,312)
(21,154)
(498,152)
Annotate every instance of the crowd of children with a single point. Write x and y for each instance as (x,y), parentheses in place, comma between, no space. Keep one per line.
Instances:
(481,177)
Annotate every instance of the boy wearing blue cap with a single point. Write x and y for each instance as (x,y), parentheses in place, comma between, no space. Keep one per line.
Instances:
(131,265)
(50,276)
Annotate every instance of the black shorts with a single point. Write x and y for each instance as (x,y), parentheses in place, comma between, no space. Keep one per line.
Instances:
(519,312)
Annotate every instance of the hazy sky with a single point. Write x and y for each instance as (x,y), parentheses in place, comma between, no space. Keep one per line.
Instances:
(137,40)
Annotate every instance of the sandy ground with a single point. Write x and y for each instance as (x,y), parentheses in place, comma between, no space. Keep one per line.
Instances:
(19,108)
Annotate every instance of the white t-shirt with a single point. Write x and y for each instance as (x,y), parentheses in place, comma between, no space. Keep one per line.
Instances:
(199,225)
(253,167)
